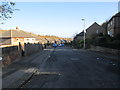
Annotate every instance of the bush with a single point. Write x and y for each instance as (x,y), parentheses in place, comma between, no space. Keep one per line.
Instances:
(116,37)
(106,41)
(78,44)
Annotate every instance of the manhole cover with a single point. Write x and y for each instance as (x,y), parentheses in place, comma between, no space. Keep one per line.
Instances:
(74,58)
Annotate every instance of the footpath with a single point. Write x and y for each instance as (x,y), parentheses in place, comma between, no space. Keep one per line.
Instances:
(109,56)
(112,57)
(17,73)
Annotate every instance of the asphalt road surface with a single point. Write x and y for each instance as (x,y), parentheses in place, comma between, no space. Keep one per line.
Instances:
(72,68)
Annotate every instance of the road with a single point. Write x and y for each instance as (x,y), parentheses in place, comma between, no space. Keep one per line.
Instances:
(72,68)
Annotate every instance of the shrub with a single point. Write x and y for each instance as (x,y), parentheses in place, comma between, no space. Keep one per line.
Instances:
(117,37)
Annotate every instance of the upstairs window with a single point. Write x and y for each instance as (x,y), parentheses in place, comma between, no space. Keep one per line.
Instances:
(97,31)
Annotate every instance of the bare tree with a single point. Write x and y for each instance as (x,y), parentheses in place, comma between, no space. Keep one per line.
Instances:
(6,10)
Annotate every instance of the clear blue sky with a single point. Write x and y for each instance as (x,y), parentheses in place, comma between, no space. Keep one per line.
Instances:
(59,18)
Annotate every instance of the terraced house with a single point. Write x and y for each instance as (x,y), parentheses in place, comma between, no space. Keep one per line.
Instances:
(14,37)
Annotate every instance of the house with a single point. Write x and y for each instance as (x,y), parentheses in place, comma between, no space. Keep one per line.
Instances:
(39,39)
(79,36)
(93,30)
(113,25)
(14,37)
(50,40)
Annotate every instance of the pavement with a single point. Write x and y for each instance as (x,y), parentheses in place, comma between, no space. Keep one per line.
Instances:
(20,71)
(109,56)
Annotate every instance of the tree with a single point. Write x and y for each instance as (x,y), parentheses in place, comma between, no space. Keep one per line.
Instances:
(6,10)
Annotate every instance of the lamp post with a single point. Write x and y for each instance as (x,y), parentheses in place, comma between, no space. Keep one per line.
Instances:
(84,32)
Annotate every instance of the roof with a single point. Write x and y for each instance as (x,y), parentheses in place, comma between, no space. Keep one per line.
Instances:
(80,34)
(50,39)
(116,15)
(38,38)
(15,33)
(93,25)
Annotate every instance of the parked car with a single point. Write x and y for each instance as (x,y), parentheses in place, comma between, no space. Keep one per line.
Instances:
(60,45)
(54,45)
(63,44)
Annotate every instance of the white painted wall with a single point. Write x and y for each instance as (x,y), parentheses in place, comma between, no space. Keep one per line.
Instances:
(29,40)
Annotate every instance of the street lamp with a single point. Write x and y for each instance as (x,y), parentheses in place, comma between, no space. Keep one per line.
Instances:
(84,32)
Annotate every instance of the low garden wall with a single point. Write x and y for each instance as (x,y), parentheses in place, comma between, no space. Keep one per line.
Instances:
(106,50)
(32,48)
(10,54)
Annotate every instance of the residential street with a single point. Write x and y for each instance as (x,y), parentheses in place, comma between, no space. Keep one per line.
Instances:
(56,44)
(72,68)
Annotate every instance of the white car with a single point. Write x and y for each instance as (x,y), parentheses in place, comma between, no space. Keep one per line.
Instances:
(60,45)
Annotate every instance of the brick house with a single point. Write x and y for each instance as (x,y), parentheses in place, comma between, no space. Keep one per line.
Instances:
(113,25)
(93,30)
(14,37)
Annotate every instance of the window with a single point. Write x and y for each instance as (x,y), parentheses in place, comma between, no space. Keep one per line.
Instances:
(17,39)
(113,20)
(97,31)
(111,23)
(111,32)
(27,39)
(108,24)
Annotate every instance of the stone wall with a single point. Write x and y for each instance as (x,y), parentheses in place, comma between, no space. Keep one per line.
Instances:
(32,48)
(105,50)
(9,54)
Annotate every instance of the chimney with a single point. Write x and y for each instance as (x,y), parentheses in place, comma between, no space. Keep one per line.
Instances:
(17,28)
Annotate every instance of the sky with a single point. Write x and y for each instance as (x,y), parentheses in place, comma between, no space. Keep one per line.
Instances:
(61,19)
